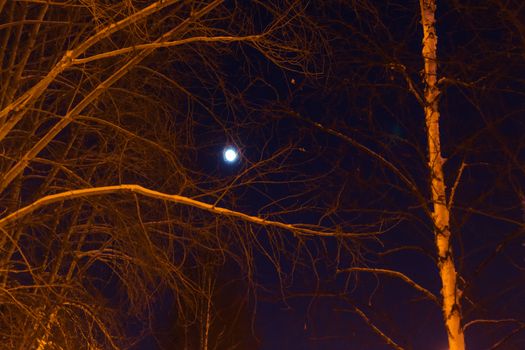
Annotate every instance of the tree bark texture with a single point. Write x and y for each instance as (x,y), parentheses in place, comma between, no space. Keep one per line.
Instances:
(440,214)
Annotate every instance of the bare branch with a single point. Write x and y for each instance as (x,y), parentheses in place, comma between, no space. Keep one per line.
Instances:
(483,321)
(105,190)
(411,86)
(369,322)
(16,169)
(207,39)
(20,104)
(455,186)
(411,184)
(395,274)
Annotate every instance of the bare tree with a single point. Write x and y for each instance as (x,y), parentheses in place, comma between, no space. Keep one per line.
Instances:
(105,203)
(429,137)
(110,202)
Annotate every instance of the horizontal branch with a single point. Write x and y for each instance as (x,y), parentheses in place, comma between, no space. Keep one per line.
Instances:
(224,39)
(105,190)
(395,274)
(488,321)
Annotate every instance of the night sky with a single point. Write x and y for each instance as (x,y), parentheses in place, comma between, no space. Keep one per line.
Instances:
(322,101)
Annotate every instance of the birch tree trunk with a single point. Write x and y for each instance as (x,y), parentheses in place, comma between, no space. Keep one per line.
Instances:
(440,215)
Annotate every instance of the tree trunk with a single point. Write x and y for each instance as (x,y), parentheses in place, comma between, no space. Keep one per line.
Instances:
(440,215)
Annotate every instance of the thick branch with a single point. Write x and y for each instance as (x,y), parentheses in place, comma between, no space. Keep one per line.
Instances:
(105,190)
(206,39)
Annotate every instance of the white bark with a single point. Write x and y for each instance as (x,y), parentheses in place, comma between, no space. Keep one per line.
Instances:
(440,215)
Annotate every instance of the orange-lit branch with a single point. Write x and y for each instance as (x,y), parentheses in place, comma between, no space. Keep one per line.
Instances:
(385,337)
(19,105)
(125,50)
(395,274)
(19,166)
(99,191)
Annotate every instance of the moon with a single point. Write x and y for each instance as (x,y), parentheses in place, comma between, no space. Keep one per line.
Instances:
(230,154)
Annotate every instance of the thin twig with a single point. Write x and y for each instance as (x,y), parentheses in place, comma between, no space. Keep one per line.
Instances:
(385,337)
(396,274)
(411,86)
(456,183)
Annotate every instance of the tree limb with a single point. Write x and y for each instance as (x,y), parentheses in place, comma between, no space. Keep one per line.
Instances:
(396,274)
(105,190)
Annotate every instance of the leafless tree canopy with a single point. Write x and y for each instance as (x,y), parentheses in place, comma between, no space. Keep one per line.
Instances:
(104,93)
(112,200)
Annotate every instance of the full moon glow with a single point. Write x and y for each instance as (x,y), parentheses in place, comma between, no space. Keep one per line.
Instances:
(230,154)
